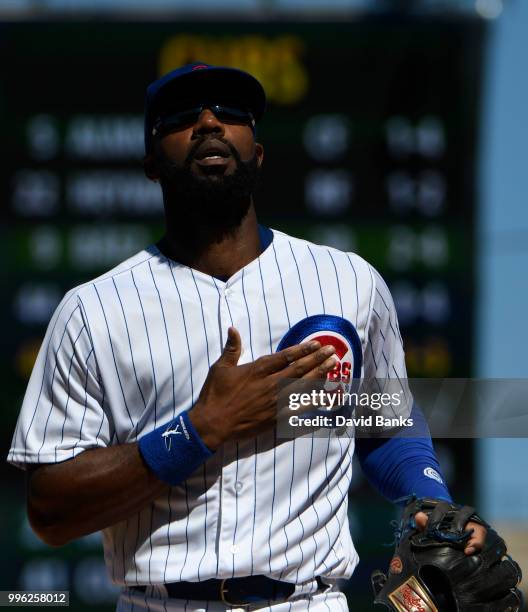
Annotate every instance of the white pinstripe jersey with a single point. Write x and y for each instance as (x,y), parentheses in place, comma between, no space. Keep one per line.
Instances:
(127,352)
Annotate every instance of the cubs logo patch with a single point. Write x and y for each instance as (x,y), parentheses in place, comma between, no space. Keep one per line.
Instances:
(342,335)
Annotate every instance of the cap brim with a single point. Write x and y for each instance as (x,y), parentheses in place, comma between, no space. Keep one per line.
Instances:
(215,85)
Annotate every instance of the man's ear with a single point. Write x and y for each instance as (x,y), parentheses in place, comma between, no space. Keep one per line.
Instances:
(150,166)
(259,150)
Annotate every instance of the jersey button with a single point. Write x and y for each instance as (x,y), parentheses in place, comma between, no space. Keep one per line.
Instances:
(238,485)
(234,549)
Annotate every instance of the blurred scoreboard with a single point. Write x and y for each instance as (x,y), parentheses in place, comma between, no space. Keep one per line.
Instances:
(370,145)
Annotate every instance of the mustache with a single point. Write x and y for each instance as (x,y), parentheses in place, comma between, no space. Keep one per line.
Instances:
(201,141)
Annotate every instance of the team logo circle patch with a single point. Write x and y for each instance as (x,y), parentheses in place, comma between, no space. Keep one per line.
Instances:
(341,334)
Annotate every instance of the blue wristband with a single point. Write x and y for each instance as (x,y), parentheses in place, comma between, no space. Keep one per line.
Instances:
(174,450)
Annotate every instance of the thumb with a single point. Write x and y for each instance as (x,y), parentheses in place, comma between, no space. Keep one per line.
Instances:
(232,349)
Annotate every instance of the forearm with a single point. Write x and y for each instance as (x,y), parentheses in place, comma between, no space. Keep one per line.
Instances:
(404,465)
(98,488)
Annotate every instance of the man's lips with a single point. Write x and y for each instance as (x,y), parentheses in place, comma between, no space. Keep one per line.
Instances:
(213,160)
(212,152)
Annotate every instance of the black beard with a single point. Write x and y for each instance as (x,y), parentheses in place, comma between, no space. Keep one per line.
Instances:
(214,205)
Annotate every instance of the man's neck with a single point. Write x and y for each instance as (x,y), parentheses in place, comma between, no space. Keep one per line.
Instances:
(220,256)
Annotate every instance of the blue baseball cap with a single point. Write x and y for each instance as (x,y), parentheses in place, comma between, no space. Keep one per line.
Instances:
(199,83)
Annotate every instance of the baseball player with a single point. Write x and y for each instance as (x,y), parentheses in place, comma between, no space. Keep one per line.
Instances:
(150,413)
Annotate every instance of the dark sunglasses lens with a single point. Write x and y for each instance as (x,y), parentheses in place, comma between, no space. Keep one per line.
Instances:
(179,120)
(229,114)
(183,119)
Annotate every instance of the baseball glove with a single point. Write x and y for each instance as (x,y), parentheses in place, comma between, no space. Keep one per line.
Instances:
(429,571)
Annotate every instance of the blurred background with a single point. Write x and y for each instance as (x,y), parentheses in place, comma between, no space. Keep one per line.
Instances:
(395,128)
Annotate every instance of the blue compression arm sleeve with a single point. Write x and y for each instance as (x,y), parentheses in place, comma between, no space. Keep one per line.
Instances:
(401,466)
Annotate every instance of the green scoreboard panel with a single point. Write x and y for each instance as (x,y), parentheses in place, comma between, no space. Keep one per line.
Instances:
(370,140)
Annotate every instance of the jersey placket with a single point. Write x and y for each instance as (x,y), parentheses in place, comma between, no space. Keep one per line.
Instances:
(231,550)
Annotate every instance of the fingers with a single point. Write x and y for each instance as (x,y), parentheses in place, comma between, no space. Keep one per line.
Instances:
(232,349)
(462,517)
(421,520)
(275,363)
(320,371)
(476,542)
(313,366)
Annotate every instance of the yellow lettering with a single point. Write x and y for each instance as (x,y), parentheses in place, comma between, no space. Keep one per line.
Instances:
(275,62)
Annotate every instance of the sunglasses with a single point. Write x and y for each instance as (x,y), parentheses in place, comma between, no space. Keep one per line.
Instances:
(186,118)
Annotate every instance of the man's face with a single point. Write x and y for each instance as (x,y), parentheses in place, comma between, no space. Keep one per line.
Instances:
(211,167)
(209,148)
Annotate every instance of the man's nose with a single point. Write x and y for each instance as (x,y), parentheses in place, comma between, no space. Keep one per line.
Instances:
(207,123)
